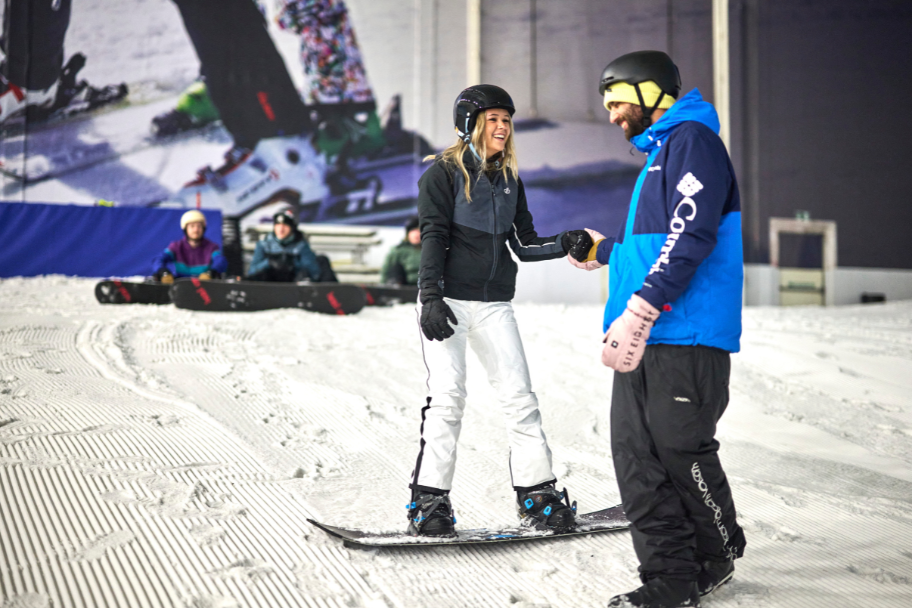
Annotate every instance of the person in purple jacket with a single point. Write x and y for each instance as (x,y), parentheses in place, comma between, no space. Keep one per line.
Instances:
(192,256)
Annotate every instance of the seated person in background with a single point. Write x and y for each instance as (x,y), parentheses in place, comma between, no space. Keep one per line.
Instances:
(192,256)
(285,255)
(403,261)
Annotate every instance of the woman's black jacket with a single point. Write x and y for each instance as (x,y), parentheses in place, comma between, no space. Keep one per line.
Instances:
(464,252)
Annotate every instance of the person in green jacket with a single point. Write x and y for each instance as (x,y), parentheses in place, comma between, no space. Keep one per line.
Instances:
(403,261)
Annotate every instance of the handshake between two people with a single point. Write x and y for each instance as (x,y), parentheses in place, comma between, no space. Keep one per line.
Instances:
(625,341)
(436,316)
(580,246)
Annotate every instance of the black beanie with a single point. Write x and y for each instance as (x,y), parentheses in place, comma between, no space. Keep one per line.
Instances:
(411,224)
(286,216)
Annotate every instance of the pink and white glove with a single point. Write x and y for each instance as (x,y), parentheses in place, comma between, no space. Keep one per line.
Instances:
(625,341)
(591,263)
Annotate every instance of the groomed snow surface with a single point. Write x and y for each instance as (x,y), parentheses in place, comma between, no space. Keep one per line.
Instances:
(157,457)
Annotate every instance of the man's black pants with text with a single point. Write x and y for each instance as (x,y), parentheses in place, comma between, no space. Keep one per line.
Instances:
(673,488)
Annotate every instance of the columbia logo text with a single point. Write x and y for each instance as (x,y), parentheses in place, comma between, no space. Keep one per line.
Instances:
(688,186)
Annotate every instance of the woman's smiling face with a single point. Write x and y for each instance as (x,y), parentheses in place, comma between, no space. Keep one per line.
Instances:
(497,130)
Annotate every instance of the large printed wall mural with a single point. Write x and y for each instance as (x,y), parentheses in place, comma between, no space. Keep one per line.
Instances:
(260,124)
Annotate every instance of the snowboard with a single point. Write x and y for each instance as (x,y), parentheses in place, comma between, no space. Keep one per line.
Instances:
(387,295)
(125,292)
(605,520)
(229,296)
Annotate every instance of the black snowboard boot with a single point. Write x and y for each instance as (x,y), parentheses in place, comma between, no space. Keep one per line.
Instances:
(714,574)
(431,515)
(660,593)
(543,508)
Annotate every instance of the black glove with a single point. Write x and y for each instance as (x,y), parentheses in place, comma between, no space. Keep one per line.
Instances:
(577,243)
(279,261)
(434,315)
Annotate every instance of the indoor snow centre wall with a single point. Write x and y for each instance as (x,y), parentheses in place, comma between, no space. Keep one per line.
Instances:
(88,241)
(158,457)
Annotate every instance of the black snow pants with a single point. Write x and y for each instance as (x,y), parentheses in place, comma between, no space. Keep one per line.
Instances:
(673,488)
(245,76)
(33,35)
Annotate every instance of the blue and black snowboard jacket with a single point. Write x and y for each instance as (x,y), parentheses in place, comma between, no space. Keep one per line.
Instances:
(464,252)
(292,253)
(681,243)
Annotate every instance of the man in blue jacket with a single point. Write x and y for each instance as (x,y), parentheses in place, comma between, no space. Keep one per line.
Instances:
(673,318)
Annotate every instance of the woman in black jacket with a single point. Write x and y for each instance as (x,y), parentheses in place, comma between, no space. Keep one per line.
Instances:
(471,205)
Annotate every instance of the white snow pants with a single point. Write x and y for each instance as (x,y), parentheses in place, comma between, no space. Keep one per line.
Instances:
(491,330)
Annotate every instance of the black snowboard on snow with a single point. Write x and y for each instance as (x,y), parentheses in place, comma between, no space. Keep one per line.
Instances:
(605,520)
(229,296)
(386,295)
(125,292)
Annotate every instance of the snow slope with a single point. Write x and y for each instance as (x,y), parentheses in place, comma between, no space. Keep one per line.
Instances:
(156,457)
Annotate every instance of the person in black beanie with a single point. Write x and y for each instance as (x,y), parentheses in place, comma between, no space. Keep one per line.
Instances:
(286,256)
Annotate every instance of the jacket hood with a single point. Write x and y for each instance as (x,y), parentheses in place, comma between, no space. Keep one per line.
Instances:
(691,107)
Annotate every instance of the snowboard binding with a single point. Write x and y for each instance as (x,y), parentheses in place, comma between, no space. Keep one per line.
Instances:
(547,509)
(431,515)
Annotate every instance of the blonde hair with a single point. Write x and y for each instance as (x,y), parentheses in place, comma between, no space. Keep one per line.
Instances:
(454,154)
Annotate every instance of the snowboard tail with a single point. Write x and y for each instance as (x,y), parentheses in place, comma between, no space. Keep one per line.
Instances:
(606,520)
(231,296)
(125,292)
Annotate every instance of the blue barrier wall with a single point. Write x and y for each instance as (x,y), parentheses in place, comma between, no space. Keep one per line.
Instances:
(85,241)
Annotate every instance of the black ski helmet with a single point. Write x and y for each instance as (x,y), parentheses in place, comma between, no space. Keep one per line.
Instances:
(640,66)
(476,99)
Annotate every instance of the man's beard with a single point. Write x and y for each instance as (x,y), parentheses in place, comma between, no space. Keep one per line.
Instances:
(634,119)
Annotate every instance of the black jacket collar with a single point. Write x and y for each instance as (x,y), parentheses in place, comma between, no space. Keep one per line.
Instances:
(469,160)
